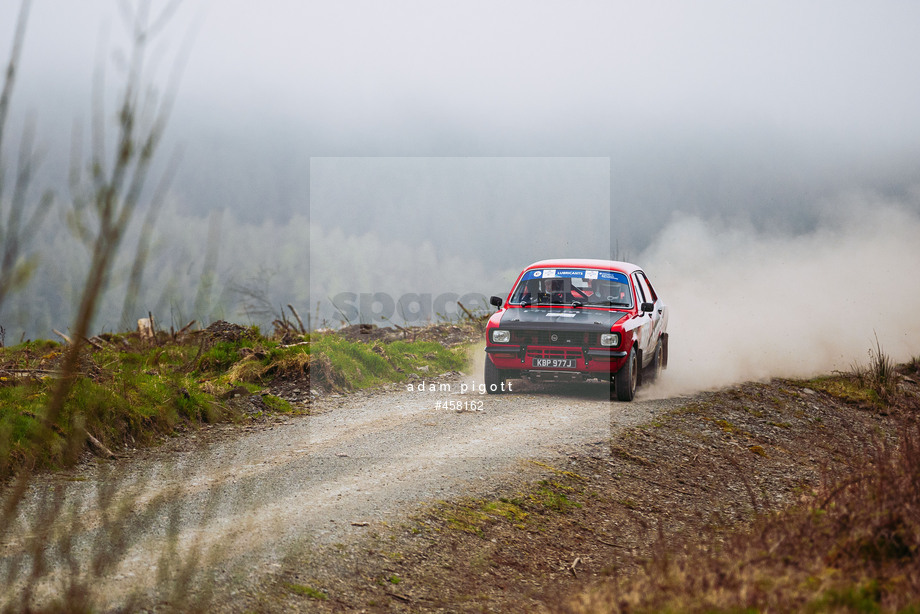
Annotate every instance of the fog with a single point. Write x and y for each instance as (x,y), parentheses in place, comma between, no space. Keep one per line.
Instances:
(406,147)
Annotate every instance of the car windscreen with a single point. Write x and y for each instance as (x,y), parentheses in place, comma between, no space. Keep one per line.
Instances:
(590,287)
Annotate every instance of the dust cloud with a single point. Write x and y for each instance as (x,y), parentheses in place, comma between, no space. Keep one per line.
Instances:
(749,305)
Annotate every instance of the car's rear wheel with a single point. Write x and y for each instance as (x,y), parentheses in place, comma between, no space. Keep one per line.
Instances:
(627,378)
(494,378)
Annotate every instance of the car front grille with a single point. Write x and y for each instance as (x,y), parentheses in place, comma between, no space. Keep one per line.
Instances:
(563,338)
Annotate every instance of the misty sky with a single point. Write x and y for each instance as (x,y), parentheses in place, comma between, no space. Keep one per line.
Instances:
(753,113)
(516,74)
(664,88)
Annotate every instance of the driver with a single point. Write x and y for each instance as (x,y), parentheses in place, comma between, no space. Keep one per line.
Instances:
(556,290)
(610,291)
(531,291)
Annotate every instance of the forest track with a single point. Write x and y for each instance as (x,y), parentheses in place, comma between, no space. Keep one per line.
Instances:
(246,499)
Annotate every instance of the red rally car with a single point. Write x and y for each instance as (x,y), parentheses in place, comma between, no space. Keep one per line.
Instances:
(578,320)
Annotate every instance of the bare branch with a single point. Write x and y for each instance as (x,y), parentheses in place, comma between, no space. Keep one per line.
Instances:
(15,267)
(115,193)
(9,79)
(255,293)
(160,21)
(299,321)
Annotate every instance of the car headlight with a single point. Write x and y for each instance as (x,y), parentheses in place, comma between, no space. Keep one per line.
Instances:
(610,339)
(501,336)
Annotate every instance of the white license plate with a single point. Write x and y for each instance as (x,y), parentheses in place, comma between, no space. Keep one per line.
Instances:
(554,363)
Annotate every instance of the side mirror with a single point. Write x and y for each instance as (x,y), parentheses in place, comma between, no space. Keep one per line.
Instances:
(648,307)
(496,301)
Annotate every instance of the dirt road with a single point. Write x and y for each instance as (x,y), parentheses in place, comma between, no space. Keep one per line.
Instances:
(246,501)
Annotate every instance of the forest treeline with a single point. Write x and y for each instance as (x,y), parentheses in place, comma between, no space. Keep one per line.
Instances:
(206,268)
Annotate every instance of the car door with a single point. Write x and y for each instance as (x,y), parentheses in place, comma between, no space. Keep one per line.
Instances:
(657,315)
(648,332)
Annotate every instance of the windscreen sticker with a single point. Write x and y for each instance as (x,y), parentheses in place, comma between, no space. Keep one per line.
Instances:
(613,275)
(561,315)
(576,274)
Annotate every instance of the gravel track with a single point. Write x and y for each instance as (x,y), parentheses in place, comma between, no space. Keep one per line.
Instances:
(246,500)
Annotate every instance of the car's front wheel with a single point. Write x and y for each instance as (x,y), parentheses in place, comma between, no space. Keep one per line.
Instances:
(627,378)
(494,378)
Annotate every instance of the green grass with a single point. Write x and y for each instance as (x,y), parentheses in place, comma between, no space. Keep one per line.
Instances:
(861,598)
(221,355)
(507,509)
(348,365)
(468,519)
(873,383)
(552,497)
(130,393)
(123,397)
(523,511)
(306,591)
(277,404)
(845,387)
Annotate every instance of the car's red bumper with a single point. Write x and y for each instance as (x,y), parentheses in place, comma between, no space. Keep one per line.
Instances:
(593,361)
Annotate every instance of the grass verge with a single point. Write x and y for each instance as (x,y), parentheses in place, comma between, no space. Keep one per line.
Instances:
(851,545)
(340,364)
(130,392)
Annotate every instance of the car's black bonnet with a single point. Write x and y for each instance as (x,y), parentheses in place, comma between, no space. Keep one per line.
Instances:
(530,318)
